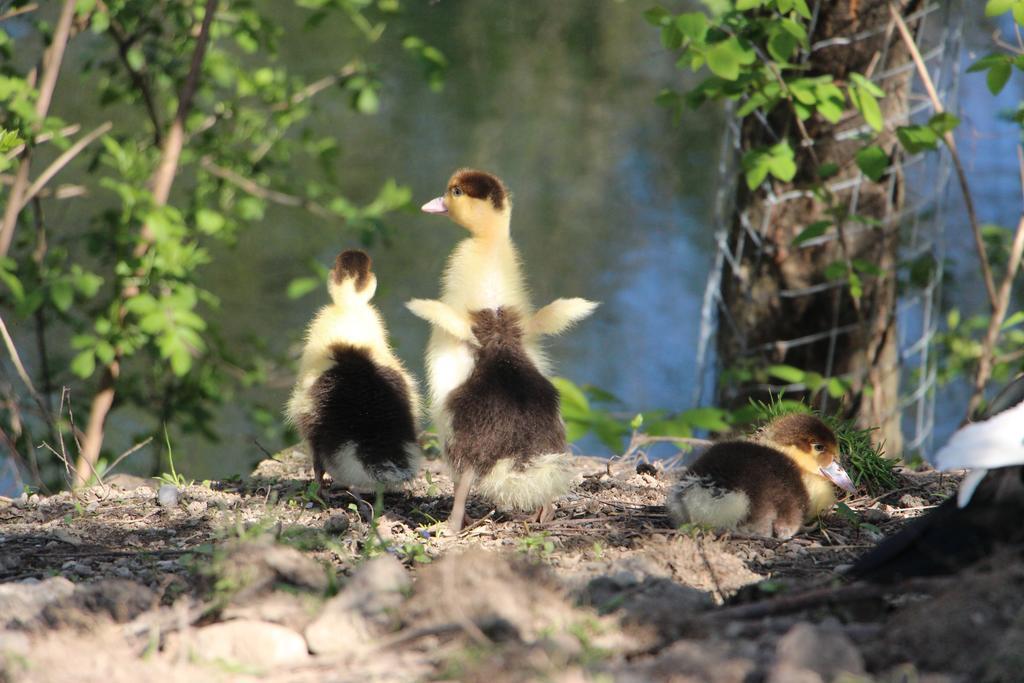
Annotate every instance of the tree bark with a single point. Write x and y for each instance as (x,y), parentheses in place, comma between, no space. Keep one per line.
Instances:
(766,315)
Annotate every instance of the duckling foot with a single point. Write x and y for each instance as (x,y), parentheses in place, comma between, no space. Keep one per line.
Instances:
(545,513)
(458,517)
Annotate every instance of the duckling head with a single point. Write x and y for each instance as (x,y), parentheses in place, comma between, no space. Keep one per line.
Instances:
(352,278)
(476,200)
(808,442)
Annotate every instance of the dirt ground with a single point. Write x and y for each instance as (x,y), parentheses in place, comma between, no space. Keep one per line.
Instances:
(254,579)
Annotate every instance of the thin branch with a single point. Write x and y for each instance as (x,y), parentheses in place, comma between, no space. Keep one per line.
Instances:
(51,68)
(926,79)
(12,351)
(133,449)
(19,11)
(317,86)
(62,161)
(64,132)
(255,189)
(995,323)
(139,78)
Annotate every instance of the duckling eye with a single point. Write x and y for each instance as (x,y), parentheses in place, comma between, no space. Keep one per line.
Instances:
(818,448)
(456,191)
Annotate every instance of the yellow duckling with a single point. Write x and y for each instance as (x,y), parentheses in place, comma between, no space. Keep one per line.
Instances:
(483,280)
(354,403)
(769,486)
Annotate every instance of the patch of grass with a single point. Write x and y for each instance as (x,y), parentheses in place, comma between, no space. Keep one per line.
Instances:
(539,544)
(866,462)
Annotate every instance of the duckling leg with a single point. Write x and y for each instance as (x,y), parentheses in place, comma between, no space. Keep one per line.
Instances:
(545,513)
(462,486)
(318,476)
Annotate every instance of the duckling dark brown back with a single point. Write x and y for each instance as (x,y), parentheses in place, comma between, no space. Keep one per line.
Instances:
(506,409)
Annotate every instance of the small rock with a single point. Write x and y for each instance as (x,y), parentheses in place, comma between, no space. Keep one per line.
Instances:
(363,608)
(250,643)
(22,602)
(129,482)
(813,654)
(873,515)
(196,507)
(336,525)
(910,501)
(21,501)
(168,495)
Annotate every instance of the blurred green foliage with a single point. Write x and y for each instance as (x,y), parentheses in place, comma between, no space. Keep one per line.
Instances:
(120,280)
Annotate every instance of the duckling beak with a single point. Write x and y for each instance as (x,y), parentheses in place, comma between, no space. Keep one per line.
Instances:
(435,205)
(838,476)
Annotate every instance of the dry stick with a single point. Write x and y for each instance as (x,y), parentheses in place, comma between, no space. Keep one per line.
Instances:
(255,189)
(133,449)
(51,69)
(995,323)
(163,179)
(926,79)
(19,11)
(12,351)
(62,161)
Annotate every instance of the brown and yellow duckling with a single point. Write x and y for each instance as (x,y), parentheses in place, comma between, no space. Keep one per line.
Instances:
(769,485)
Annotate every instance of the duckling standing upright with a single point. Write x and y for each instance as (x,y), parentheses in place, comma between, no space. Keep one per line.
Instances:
(483,297)
(353,402)
(769,485)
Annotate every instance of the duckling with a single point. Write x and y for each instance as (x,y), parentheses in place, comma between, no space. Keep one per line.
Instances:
(505,429)
(769,485)
(482,273)
(986,513)
(354,403)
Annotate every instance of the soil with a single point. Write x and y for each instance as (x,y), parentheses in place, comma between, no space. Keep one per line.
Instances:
(255,579)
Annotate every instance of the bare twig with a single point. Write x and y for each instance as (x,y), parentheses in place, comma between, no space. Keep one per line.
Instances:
(12,351)
(17,11)
(926,79)
(62,161)
(255,189)
(139,78)
(133,449)
(51,68)
(995,323)
(317,87)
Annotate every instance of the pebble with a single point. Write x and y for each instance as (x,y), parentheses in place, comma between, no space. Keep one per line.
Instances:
(251,643)
(168,496)
(336,525)
(197,507)
(873,515)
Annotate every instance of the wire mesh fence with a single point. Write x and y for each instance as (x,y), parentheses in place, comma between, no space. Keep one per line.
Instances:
(915,186)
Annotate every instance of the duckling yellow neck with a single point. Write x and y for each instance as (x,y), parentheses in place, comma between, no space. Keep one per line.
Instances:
(820,491)
(492,227)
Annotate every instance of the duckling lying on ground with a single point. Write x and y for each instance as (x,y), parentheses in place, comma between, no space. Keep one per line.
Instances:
(769,486)
(354,403)
(987,513)
(483,273)
(505,428)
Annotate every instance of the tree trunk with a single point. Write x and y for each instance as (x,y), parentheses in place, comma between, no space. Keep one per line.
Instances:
(780,308)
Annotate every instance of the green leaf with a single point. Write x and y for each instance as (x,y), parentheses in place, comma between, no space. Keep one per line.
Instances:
(84,364)
(574,402)
(787,373)
(657,16)
(836,387)
(711,419)
(917,138)
(828,170)
(743,5)
(815,229)
(781,163)
(781,45)
(755,167)
(367,101)
(867,105)
(209,222)
(872,161)
(802,9)
(693,25)
(1014,320)
(62,294)
(301,286)
(996,7)
(997,77)
(856,288)
(726,58)
(943,123)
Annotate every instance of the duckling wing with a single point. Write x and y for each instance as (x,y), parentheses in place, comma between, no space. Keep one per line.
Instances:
(442,315)
(559,315)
